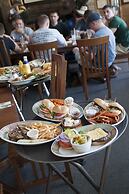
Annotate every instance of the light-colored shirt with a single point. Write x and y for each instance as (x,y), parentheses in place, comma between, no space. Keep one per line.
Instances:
(105,31)
(18,36)
(48,35)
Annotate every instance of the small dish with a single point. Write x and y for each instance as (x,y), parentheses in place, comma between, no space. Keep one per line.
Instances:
(33,133)
(81,143)
(69,122)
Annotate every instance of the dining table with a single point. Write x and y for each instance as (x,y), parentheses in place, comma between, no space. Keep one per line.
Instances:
(19,87)
(42,154)
(15,57)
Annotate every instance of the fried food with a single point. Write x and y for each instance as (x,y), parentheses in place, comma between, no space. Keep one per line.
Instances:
(106,112)
(45,131)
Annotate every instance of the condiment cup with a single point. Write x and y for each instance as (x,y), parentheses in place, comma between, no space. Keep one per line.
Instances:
(33,133)
(84,147)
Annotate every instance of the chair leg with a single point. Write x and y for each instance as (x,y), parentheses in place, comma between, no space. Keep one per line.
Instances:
(108,87)
(47,91)
(40,90)
(85,87)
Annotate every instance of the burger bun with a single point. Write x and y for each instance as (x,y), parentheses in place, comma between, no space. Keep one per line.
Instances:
(101,103)
(60,111)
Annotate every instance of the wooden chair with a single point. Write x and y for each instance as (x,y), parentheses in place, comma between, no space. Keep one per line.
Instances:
(58,76)
(4,56)
(94,60)
(43,50)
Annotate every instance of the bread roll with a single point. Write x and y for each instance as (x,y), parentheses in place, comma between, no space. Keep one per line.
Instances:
(101,103)
(48,104)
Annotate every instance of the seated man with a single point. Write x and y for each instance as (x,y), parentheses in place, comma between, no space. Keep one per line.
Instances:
(60,26)
(21,32)
(96,24)
(9,42)
(45,34)
(118,27)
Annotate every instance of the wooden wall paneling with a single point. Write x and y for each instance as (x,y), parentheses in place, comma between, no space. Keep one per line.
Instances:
(5,7)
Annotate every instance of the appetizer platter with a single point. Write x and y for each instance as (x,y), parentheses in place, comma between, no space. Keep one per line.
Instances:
(84,140)
(104,111)
(57,109)
(30,132)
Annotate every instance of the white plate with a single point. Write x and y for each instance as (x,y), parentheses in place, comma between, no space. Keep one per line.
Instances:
(37,62)
(36,110)
(4,132)
(3,78)
(7,73)
(22,82)
(91,104)
(67,153)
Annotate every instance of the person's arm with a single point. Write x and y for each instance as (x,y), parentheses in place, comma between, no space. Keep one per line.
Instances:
(27,33)
(13,45)
(17,48)
(26,37)
(60,39)
(114,24)
(113,30)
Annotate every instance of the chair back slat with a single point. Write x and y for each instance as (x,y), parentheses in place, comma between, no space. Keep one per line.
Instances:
(43,50)
(94,59)
(4,55)
(58,76)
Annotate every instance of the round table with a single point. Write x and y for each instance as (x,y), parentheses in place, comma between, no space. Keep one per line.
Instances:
(42,154)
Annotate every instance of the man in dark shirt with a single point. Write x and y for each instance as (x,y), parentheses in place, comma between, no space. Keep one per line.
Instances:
(60,26)
(9,43)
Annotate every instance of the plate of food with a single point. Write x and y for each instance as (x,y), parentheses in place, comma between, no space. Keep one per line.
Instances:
(69,122)
(104,111)
(6,73)
(86,140)
(30,132)
(36,63)
(18,80)
(57,109)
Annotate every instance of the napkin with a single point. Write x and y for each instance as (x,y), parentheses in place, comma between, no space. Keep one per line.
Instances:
(5,104)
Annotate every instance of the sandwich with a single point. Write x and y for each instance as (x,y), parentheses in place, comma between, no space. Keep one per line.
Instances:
(99,136)
(47,107)
(60,112)
(101,103)
(116,106)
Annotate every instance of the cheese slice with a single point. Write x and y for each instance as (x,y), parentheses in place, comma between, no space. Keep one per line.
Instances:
(97,133)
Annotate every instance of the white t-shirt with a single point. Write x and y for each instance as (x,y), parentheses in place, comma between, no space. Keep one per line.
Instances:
(48,35)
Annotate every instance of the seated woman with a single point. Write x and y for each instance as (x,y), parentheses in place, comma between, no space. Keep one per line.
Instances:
(118,27)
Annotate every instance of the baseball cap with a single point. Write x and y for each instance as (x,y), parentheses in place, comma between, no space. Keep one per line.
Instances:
(94,16)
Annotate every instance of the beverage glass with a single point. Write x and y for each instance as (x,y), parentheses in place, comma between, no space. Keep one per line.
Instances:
(73,36)
(89,34)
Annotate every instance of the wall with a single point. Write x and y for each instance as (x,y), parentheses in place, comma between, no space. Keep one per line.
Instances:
(125,12)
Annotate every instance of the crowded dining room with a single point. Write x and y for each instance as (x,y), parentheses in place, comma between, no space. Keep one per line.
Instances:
(64,75)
